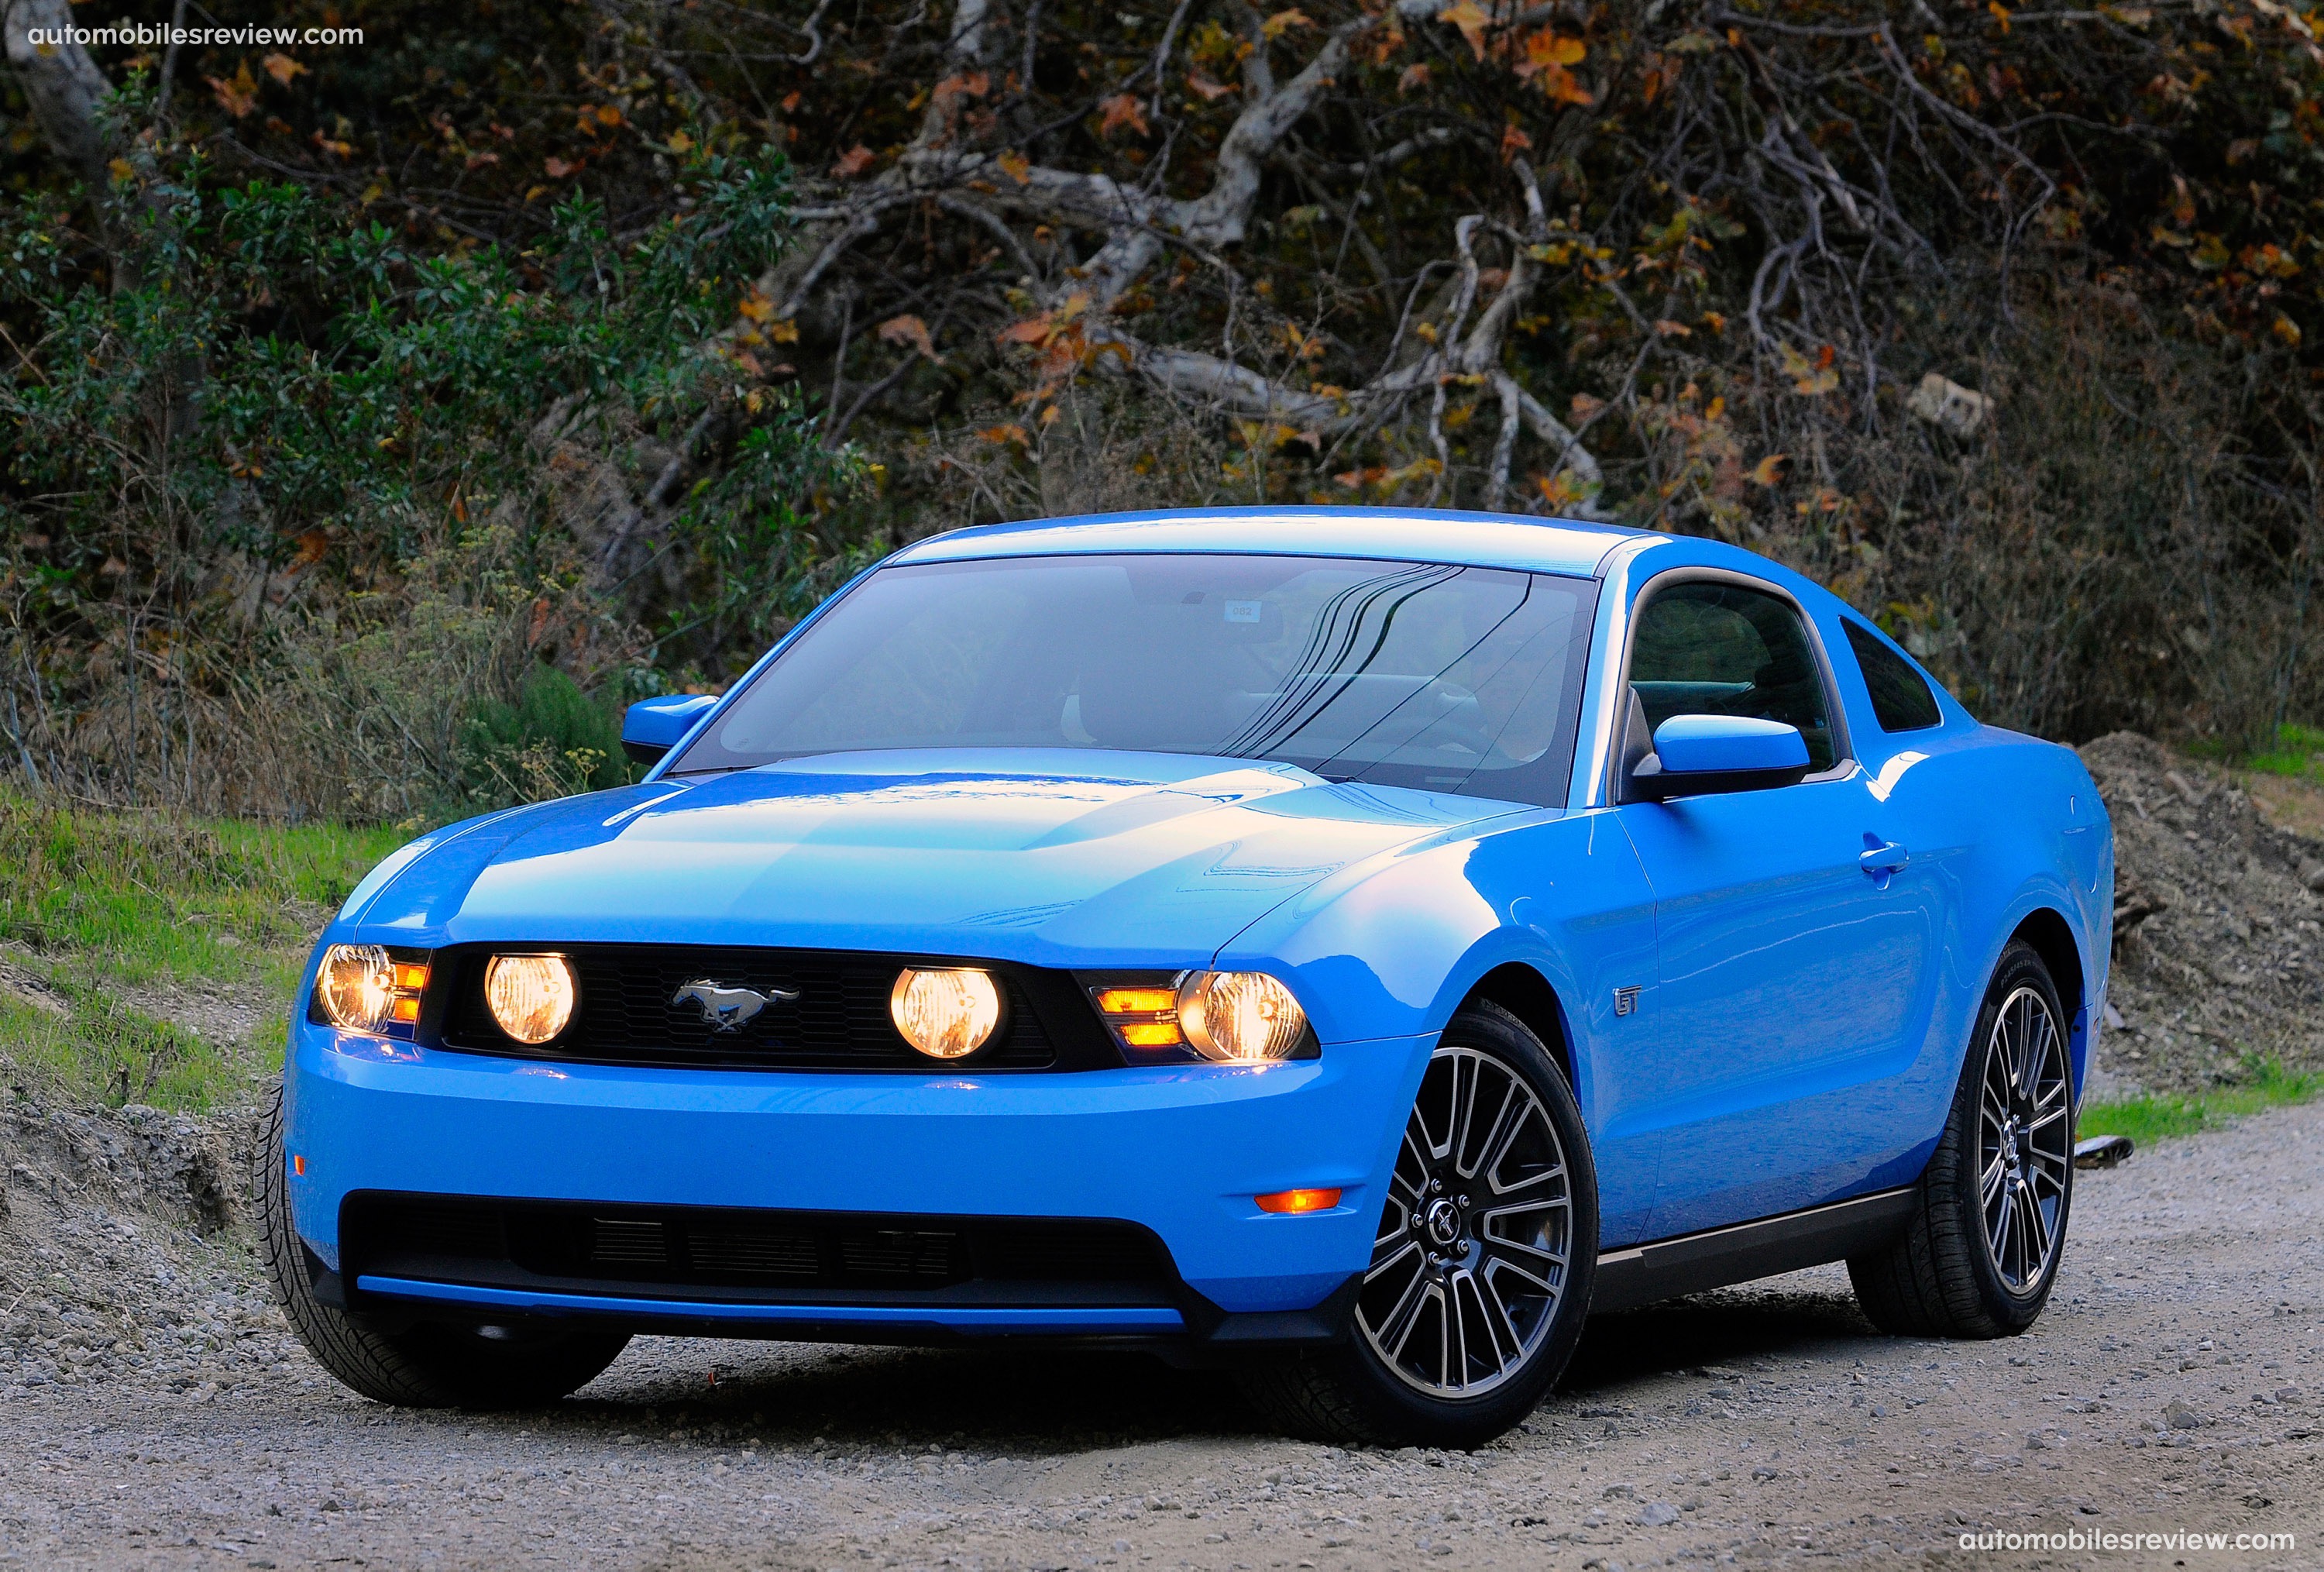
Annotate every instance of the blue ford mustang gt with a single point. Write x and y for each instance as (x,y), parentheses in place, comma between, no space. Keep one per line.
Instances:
(1348,945)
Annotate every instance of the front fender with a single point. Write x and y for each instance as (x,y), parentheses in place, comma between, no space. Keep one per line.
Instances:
(1390,947)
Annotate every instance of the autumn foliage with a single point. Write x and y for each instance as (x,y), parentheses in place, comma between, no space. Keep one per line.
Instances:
(1681,264)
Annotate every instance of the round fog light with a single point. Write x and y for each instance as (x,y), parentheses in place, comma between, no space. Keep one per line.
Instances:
(531,996)
(945,1013)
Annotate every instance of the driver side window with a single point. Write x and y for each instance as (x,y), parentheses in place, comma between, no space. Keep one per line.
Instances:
(1711,648)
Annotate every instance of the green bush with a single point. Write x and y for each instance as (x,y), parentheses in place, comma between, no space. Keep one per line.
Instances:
(552,741)
(296,507)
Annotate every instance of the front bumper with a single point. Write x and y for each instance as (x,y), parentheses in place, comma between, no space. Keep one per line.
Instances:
(1181,1150)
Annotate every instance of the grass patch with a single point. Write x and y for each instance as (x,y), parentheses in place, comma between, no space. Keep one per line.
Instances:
(2298,752)
(122,921)
(2268,1084)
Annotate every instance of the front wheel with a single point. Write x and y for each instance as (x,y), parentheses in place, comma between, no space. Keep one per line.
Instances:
(1482,1267)
(1981,1251)
(429,1365)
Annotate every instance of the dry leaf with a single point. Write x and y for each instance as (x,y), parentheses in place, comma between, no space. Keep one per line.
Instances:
(1471,19)
(1119,111)
(1209,90)
(1282,22)
(854,162)
(557,169)
(1016,166)
(1766,472)
(1814,377)
(1413,77)
(680,141)
(1513,142)
(1546,57)
(974,84)
(1667,328)
(239,97)
(910,329)
(282,68)
(1017,434)
(1546,49)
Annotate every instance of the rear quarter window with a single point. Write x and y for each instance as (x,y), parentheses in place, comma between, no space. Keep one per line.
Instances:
(1901,700)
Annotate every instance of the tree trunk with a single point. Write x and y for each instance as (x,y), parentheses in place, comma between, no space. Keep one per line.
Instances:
(63,85)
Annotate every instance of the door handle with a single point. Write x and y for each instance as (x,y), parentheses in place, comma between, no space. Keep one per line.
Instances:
(1882,857)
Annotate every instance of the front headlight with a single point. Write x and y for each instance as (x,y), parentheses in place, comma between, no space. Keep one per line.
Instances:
(360,989)
(947,1013)
(531,996)
(1240,1017)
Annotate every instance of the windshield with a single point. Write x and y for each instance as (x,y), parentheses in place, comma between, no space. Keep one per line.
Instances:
(1448,678)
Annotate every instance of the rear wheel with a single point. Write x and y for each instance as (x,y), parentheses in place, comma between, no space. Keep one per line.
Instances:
(429,1365)
(1981,1251)
(1481,1266)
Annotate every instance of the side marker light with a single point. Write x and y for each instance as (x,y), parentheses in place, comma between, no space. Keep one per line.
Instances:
(1288,1201)
(299,1166)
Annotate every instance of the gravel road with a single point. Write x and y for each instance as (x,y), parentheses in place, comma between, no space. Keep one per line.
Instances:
(2174,1385)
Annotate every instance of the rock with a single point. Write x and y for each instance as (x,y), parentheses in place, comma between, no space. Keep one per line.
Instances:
(2311,873)
(1659,1514)
(2180,1417)
(1946,404)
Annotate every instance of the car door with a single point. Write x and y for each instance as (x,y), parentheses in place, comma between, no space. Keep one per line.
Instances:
(1793,937)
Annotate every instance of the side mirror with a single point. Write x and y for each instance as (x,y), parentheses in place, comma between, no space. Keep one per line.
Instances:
(1697,755)
(653,726)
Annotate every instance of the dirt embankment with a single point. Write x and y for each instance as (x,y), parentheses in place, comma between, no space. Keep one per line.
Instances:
(2218,925)
(119,1253)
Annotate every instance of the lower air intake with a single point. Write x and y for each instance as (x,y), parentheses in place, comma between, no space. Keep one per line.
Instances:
(732,1253)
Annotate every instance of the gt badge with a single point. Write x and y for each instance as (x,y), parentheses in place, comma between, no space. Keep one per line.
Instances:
(727,1008)
(1626,1000)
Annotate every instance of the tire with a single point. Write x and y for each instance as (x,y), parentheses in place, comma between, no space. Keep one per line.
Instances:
(429,1365)
(1968,1264)
(1399,1379)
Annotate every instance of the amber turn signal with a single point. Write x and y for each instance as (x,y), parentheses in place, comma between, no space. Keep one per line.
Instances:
(1299,1201)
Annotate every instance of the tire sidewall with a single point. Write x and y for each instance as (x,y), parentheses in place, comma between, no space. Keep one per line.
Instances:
(2020,966)
(1472,1421)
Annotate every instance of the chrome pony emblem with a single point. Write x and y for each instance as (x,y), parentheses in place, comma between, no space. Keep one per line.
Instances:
(727,1008)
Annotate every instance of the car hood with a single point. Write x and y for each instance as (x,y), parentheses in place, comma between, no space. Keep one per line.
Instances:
(1048,857)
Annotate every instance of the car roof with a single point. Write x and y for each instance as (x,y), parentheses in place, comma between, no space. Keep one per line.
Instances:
(1560,546)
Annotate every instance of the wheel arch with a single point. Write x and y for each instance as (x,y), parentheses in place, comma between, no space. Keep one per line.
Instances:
(1521,991)
(2052,937)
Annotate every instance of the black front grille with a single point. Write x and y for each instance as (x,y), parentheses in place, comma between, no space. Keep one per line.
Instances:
(731,1254)
(629,1012)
